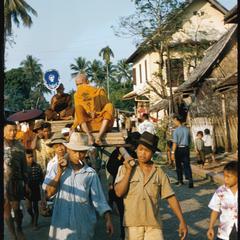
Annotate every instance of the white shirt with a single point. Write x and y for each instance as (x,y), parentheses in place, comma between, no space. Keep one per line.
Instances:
(224,202)
(79,196)
(51,163)
(208,141)
(146,126)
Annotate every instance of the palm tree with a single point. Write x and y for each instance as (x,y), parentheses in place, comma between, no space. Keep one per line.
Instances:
(32,69)
(81,66)
(34,75)
(106,54)
(96,72)
(124,72)
(14,11)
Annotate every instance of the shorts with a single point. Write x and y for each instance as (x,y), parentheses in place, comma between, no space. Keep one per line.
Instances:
(15,190)
(143,233)
(208,150)
(35,194)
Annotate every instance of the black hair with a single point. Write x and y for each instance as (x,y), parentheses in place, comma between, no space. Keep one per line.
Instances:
(178,117)
(29,151)
(68,125)
(206,131)
(145,116)
(46,125)
(200,132)
(231,167)
(8,122)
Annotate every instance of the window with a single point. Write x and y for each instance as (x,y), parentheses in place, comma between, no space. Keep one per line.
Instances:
(134,76)
(146,76)
(175,72)
(140,72)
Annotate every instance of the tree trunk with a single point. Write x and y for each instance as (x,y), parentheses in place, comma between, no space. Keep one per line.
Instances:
(107,83)
(225,125)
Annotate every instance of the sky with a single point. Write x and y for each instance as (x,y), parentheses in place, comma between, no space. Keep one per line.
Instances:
(65,30)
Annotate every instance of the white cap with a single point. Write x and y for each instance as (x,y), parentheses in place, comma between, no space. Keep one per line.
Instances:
(65,130)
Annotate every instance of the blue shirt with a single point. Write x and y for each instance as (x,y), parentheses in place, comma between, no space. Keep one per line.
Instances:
(79,195)
(181,136)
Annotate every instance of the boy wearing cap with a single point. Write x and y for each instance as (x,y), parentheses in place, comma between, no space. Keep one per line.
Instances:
(78,192)
(143,184)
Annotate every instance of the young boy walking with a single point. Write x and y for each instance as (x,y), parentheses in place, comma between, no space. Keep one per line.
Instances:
(199,148)
(35,179)
(142,186)
(225,203)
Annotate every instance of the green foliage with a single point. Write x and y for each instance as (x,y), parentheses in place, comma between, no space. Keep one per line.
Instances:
(117,91)
(106,54)
(24,86)
(119,75)
(162,132)
(16,11)
(81,66)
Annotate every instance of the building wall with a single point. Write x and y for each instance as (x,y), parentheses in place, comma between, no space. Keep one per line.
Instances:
(207,23)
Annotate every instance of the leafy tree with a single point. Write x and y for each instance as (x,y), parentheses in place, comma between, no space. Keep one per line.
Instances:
(96,73)
(153,24)
(34,76)
(81,66)
(124,72)
(16,11)
(25,87)
(118,90)
(106,54)
(16,89)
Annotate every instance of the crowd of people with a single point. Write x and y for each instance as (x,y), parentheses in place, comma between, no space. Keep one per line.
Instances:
(61,167)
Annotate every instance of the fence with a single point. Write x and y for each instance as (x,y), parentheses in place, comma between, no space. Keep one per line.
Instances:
(216,126)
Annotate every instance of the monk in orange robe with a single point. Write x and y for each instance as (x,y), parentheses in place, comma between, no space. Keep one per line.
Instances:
(60,108)
(93,111)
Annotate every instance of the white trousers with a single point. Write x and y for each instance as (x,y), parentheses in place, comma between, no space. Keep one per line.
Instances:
(143,233)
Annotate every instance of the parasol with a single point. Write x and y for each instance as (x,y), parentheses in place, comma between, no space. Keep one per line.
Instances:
(25,115)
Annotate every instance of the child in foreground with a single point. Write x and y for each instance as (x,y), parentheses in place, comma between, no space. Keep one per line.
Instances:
(225,203)
(33,194)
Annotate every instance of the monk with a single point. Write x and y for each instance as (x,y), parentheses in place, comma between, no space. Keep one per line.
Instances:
(60,108)
(93,111)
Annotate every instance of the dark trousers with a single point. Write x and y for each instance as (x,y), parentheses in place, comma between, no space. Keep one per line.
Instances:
(119,202)
(233,235)
(182,158)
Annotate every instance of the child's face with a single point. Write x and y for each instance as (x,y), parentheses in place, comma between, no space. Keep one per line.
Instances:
(46,133)
(199,136)
(230,178)
(29,159)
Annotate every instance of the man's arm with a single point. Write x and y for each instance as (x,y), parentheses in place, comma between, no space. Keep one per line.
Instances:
(213,219)
(174,204)
(53,102)
(51,187)
(108,221)
(121,187)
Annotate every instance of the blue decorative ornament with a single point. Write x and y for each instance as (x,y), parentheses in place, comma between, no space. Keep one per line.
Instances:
(51,78)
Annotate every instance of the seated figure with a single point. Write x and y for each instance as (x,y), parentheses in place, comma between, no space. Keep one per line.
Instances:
(60,108)
(93,111)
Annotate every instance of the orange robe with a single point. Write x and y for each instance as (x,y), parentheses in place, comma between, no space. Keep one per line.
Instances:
(60,107)
(89,99)
(28,138)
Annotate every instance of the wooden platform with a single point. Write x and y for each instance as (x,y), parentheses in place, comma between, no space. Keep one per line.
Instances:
(58,125)
(113,138)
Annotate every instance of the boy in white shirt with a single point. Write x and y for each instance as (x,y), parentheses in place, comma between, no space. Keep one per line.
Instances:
(225,203)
